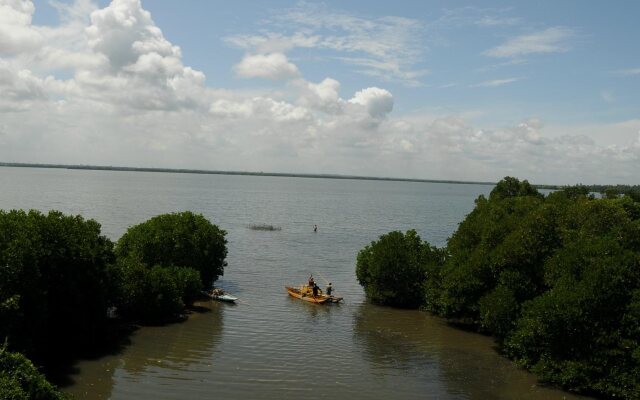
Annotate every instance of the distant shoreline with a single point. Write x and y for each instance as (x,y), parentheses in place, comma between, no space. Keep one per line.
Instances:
(249,173)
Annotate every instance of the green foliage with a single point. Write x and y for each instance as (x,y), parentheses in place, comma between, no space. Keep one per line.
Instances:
(512,187)
(20,380)
(576,191)
(584,333)
(179,239)
(54,285)
(555,279)
(188,282)
(148,294)
(505,236)
(393,269)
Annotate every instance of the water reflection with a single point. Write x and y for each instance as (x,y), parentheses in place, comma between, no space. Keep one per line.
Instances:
(466,364)
(174,353)
(312,313)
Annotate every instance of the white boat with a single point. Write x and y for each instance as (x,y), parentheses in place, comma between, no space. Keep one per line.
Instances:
(224,297)
(217,294)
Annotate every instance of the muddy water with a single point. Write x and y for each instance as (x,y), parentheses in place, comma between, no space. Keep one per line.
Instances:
(271,346)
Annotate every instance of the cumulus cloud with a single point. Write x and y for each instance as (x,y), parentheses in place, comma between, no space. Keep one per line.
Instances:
(324,96)
(550,40)
(16,32)
(274,66)
(259,107)
(141,68)
(123,32)
(378,102)
(19,88)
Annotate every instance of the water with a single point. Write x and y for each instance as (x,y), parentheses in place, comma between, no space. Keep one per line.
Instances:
(271,346)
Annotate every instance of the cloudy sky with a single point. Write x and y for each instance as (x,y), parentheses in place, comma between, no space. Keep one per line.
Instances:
(545,91)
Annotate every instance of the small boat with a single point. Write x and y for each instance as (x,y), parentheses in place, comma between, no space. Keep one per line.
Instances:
(304,292)
(225,297)
(219,295)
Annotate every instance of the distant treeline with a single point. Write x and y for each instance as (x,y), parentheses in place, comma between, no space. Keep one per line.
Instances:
(555,279)
(65,288)
(250,173)
(617,189)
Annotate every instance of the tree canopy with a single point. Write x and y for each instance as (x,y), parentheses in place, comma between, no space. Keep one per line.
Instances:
(54,280)
(393,269)
(178,239)
(555,279)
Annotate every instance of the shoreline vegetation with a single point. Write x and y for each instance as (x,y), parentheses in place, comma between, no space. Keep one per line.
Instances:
(554,279)
(67,291)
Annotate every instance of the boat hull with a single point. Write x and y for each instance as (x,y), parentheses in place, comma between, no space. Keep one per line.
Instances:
(222,297)
(298,294)
(225,297)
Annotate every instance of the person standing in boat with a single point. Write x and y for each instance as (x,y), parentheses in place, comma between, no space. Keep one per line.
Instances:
(329,289)
(312,282)
(315,290)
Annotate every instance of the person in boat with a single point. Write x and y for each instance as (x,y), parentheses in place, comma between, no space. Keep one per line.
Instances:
(315,290)
(312,282)
(329,289)
(315,228)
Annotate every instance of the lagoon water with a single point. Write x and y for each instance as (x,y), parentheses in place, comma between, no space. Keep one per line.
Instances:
(271,346)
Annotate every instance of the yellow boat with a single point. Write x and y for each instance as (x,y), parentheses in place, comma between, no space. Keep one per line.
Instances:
(304,292)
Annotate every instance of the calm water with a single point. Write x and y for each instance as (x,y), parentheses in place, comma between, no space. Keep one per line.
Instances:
(271,346)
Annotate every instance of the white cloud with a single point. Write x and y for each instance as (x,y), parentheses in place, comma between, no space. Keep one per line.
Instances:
(324,96)
(123,32)
(259,107)
(16,32)
(274,66)
(19,88)
(492,20)
(496,82)
(550,40)
(628,72)
(378,102)
(143,70)
(273,42)
(388,47)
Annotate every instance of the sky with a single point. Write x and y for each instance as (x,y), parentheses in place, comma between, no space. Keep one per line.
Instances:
(546,91)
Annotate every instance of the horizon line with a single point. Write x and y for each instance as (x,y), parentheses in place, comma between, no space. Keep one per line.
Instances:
(249,173)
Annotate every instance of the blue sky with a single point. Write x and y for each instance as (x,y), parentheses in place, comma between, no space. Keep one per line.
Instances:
(416,89)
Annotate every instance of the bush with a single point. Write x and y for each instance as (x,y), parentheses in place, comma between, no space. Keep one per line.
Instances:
(584,334)
(505,235)
(149,295)
(54,283)
(393,269)
(188,282)
(20,380)
(180,239)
